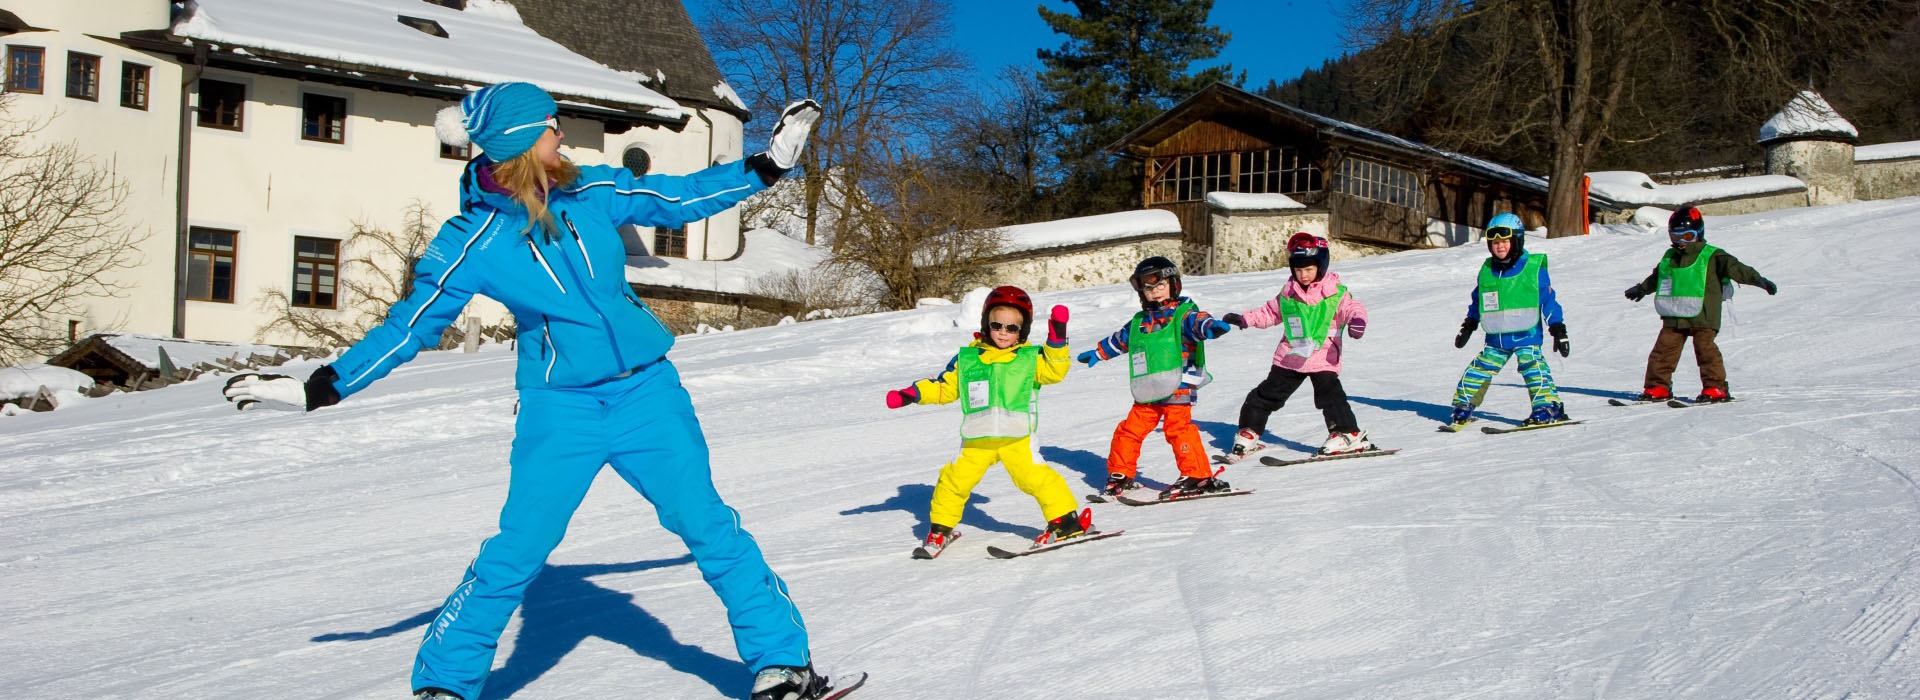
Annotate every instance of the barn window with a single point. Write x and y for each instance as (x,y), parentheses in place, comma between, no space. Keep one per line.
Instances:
(1379,182)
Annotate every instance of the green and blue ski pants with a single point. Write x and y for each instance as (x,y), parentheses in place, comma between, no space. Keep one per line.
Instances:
(644,426)
(1533,368)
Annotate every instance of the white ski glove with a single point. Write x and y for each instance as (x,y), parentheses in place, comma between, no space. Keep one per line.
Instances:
(790,135)
(276,391)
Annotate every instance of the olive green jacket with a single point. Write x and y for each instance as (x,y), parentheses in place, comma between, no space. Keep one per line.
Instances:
(1722,267)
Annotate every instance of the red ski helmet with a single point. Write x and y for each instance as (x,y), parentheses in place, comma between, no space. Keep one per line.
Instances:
(1010,296)
(1305,249)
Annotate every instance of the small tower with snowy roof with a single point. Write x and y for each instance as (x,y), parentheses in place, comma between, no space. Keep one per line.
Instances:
(1808,140)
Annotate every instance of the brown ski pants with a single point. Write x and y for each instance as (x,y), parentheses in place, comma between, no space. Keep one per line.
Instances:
(1666,356)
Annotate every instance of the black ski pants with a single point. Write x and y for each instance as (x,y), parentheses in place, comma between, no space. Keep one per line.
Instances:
(1272,393)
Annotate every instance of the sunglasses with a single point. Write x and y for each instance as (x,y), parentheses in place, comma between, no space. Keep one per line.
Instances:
(1008,327)
(1502,233)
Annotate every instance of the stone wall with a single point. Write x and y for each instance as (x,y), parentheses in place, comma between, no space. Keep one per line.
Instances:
(1251,241)
(1079,267)
(1755,204)
(1826,167)
(1886,179)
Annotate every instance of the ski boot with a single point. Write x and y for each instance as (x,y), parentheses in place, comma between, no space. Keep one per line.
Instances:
(1073,524)
(1544,414)
(1118,483)
(938,537)
(1246,442)
(788,683)
(1655,393)
(1713,394)
(435,694)
(1344,443)
(1189,486)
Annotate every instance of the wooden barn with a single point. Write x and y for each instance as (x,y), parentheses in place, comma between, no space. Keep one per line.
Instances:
(1376,189)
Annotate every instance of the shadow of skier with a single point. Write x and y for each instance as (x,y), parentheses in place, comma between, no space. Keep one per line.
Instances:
(563,608)
(915,498)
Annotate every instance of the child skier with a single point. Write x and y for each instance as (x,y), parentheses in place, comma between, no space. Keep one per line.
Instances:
(1689,284)
(1165,345)
(1313,306)
(1511,299)
(997,379)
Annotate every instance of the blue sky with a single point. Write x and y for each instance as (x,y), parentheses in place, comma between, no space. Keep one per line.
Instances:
(1272,39)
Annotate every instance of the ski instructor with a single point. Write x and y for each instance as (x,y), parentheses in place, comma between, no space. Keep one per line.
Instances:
(539,234)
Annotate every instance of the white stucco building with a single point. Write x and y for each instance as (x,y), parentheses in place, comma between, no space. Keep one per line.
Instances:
(253,134)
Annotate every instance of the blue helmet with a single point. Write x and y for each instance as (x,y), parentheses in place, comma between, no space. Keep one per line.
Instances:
(1507,227)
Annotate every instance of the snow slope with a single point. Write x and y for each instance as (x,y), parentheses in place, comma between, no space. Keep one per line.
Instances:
(161,545)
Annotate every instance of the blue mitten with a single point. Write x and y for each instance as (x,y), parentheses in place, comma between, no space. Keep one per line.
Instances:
(1089,358)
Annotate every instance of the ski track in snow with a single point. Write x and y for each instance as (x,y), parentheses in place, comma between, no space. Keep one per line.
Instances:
(162,544)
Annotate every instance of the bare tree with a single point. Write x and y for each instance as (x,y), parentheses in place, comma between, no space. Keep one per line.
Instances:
(922,232)
(1004,140)
(878,66)
(62,238)
(378,275)
(1574,76)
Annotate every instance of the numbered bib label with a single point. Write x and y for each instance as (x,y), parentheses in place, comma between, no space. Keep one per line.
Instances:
(1489,301)
(978,395)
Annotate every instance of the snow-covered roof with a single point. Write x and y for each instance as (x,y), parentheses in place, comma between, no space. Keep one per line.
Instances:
(1089,229)
(1249,201)
(767,253)
(1635,189)
(145,349)
(1807,114)
(485,43)
(26,380)
(1887,151)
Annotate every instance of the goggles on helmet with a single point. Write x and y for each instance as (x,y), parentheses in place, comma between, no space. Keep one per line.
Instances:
(1684,235)
(1502,233)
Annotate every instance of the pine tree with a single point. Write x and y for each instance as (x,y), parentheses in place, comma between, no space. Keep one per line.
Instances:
(1124,62)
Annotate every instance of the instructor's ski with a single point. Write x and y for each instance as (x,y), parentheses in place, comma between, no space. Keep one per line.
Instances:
(1275,461)
(1490,430)
(834,692)
(999,553)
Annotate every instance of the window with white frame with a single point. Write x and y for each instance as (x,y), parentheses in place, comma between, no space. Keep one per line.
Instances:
(1377,181)
(1273,170)
(1278,170)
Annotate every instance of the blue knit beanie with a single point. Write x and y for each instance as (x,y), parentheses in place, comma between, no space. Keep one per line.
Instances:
(504,120)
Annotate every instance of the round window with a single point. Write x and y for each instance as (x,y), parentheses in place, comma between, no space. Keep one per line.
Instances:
(636,159)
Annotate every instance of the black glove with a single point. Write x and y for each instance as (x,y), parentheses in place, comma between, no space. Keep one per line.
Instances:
(1634,293)
(1467,328)
(281,392)
(1560,344)
(1235,319)
(1768,285)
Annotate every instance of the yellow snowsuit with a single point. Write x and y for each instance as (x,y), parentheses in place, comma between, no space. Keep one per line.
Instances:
(1031,475)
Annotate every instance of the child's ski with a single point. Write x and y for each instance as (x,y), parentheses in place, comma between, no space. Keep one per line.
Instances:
(1226,458)
(835,693)
(1689,403)
(1632,402)
(1129,499)
(1490,430)
(921,552)
(1456,427)
(1274,461)
(999,553)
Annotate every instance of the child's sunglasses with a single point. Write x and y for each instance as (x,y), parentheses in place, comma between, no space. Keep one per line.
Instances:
(1501,233)
(1008,327)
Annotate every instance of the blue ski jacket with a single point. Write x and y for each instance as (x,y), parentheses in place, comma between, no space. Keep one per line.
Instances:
(578,322)
(1549,309)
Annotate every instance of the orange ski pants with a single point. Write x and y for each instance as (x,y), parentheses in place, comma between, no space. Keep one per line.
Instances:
(1188,452)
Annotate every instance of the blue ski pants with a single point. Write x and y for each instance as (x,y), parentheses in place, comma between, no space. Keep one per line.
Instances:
(644,426)
(1533,368)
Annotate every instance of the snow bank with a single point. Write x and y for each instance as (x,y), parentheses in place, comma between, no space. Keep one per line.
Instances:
(25,380)
(1807,114)
(487,43)
(1245,201)
(1887,151)
(1636,189)
(767,253)
(1089,229)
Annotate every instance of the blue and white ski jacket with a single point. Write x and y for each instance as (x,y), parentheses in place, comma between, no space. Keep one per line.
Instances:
(1550,312)
(578,321)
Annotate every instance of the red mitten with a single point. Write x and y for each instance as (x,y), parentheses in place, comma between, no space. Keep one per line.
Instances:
(902,397)
(1057,327)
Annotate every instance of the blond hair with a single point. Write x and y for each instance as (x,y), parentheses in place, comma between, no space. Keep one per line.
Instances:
(528,180)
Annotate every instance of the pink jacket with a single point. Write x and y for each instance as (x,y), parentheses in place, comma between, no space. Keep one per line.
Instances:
(1327,357)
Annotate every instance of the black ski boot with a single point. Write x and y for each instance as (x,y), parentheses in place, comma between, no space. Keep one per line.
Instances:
(788,683)
(435,694)
(1073,524)
(1118,483)
(1188,486)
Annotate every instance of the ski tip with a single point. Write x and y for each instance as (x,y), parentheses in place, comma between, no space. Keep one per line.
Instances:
(838,688)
